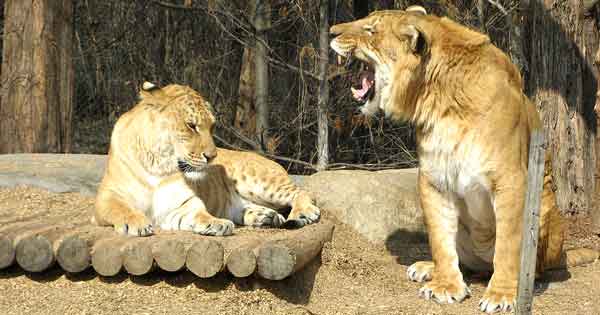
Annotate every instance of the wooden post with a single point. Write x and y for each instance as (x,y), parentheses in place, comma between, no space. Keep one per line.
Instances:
(322,139)
(531,222)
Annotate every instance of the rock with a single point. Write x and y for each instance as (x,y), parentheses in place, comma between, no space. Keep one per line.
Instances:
(381,205)
(55,172)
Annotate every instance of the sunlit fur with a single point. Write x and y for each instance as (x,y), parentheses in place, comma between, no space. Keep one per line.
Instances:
(473,123)
(165,171)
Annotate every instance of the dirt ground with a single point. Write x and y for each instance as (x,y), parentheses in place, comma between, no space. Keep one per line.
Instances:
(351,277)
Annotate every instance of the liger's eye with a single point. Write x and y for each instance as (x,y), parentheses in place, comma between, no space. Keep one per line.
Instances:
(192,126)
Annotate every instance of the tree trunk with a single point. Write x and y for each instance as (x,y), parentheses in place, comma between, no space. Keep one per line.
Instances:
(562,83)
(596,209)
(245,113)
(262,21)
(37,76)
(323,135)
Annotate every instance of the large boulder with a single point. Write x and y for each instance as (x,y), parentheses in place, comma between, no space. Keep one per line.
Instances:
(54,172)
(382,206)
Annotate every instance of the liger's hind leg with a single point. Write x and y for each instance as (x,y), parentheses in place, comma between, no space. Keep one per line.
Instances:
(259,216)
(193,216)
(303,211)
(280,192)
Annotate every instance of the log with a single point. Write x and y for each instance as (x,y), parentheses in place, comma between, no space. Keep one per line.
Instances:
(8,234)
(34,250)
(137,256)
(277,259)
(205,258)
(169,254)
(73,252)
(241,261)
(7,252)
(106,255)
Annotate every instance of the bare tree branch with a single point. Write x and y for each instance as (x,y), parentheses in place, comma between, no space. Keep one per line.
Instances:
(498,6)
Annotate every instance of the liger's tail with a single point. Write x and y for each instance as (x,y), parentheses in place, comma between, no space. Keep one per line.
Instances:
(578,257)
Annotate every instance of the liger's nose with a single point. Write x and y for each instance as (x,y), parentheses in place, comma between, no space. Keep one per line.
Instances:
(210,155)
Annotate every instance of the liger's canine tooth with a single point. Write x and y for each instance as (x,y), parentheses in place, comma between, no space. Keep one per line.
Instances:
(354,92)
(340,61)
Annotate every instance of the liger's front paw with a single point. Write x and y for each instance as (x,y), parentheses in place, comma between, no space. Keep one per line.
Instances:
(263,217)
(301,217)
(135,225)
(498,300)
(445,292)
(420,271)
(214,227)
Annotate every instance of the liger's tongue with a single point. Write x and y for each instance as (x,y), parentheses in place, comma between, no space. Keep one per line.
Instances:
(366,79)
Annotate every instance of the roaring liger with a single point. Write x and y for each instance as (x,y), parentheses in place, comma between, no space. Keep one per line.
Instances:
(473,124)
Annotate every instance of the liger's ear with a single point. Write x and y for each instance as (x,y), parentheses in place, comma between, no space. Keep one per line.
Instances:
(416,9)
(148,89)
(419,42)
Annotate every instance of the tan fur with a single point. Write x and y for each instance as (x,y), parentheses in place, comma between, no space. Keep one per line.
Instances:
(164,170)
(473,125)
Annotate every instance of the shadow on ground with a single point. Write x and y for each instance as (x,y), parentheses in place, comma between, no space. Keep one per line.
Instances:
(295,289)
(408,247)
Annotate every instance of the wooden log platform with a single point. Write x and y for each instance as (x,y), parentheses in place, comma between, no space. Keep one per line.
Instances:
(269,253)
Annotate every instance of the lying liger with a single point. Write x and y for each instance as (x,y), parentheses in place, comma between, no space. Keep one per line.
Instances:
(473,124)
(164,170)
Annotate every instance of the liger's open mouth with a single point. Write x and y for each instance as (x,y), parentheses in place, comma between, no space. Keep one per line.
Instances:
(363,81)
